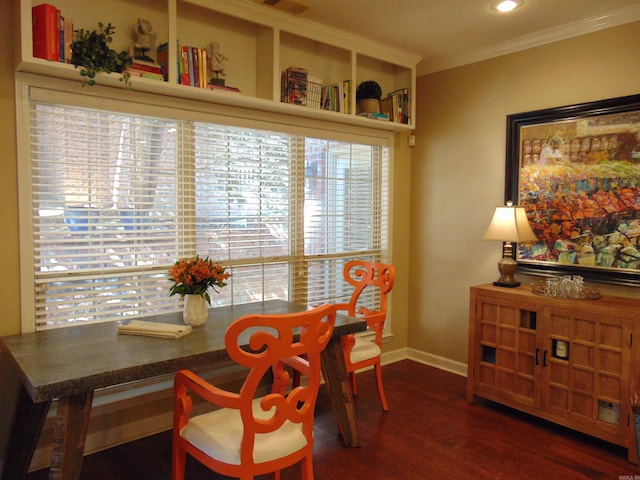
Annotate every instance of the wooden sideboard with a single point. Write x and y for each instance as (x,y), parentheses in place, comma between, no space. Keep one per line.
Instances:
(567,361)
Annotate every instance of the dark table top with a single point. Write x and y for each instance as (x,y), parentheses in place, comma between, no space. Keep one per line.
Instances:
(67,361)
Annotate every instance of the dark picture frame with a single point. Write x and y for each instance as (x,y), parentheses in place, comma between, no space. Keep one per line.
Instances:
(576,170)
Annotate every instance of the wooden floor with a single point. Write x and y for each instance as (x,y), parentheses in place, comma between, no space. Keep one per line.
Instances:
(430,432)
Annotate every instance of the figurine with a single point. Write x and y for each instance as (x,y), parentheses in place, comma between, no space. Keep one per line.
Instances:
(145,40)
(216,60)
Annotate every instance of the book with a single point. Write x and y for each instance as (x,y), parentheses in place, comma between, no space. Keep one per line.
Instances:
(346,91)
(61,33)
(143,74)
(337,96)
(145,63)
(45,20)
(203,67)
(401,105)
(328,97)
(293,87)
(374,115)
(396,108)
(226,88)
(162,56)
(386,106)
(184,65)
(143,67)
(68,40)
(193,67)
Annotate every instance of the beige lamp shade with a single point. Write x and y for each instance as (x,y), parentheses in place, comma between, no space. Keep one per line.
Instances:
(510,224)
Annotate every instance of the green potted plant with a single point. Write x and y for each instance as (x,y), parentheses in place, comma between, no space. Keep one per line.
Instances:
(368,96)
(91,52)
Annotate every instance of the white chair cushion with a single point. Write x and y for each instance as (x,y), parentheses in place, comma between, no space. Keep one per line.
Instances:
(364,349)
(219,433)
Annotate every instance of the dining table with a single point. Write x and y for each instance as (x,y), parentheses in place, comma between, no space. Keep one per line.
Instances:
(69,364)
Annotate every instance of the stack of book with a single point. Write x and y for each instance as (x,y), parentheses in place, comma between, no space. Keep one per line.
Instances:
(192,66)
(293,86)
(397,105)
(223,88)
(336,97)
(52,33)
(375,116)
(146,69)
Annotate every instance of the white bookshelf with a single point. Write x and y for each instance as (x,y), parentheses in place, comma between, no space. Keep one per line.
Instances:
(259,43)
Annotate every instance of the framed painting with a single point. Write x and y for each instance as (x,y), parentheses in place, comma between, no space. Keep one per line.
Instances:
(576,170)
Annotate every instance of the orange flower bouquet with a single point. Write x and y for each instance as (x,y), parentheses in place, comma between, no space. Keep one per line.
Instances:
(195,276)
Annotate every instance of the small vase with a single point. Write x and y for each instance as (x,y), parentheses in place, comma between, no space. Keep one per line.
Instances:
(370,105)
(195,310)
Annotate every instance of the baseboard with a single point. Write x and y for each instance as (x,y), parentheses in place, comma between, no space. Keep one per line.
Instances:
(158,393)
(424,358)
(441,363)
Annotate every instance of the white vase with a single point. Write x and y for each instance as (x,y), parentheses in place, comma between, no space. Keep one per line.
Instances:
(195,310)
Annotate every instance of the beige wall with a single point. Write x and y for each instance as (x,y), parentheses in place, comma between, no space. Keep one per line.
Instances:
(457,175)
(10,292)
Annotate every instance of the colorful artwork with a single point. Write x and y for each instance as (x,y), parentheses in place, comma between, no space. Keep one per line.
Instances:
(578,176)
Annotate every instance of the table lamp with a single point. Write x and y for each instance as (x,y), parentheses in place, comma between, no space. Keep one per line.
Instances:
(509,225)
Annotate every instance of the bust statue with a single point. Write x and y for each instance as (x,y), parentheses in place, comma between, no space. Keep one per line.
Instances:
(216,61)
(145,40)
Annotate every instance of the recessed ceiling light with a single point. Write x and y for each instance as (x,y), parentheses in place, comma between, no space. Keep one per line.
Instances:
(506,5)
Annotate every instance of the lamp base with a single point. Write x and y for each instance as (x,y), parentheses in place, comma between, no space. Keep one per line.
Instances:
(507,267)
(498,283)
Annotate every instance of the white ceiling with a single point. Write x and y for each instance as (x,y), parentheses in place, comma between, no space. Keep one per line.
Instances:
(449,33)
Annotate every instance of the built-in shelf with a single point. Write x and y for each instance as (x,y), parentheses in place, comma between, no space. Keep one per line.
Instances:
(258,42)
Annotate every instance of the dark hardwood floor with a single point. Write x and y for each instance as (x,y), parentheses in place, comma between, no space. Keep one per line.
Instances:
(430,432)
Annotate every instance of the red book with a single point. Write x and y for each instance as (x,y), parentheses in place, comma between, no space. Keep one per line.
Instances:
(46,32)
(145,68)
(185,79)
(223,87)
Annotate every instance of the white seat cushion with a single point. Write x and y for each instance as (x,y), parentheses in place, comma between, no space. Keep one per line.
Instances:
(219,433)
(364,349)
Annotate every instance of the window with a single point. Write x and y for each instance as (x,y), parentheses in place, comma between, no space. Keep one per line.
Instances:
(115,197)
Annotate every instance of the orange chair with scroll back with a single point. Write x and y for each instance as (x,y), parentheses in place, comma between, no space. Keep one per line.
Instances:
(250,434)
(361,352)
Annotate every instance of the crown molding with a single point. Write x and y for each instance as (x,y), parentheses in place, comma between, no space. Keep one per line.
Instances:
(563,32)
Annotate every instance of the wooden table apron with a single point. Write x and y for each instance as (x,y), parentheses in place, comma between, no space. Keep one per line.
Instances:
(71,363)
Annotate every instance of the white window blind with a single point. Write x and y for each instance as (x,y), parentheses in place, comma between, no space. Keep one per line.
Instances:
(116,198)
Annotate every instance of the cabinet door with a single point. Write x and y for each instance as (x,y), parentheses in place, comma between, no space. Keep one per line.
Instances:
(586,356)
(506,350)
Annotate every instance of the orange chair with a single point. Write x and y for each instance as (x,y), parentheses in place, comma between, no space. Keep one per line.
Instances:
(361,352)
(251,436)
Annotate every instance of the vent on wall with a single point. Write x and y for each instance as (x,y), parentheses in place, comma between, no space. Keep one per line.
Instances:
(294,7)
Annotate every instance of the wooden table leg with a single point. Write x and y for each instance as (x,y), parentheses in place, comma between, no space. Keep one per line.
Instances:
(335,375)
(28,420)
(69,436)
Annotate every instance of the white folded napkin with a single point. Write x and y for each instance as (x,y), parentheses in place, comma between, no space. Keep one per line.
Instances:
(154,329)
